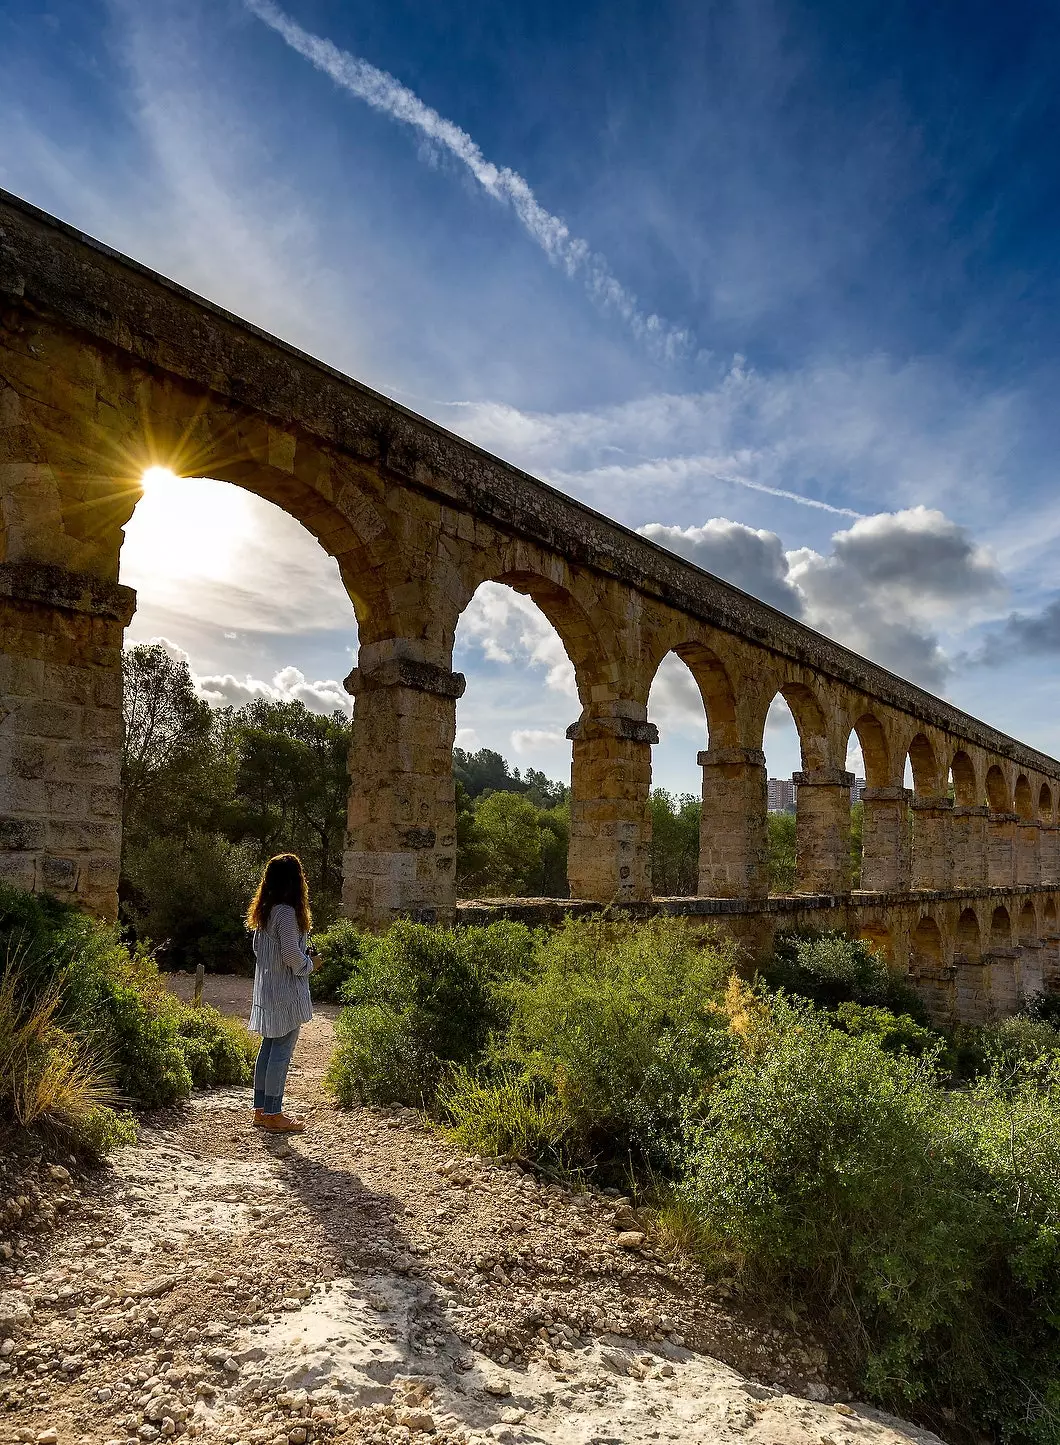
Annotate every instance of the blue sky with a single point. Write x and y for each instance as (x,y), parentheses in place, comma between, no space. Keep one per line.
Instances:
(843,220)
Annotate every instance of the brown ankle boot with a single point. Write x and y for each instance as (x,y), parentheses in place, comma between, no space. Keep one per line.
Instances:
(282,1124)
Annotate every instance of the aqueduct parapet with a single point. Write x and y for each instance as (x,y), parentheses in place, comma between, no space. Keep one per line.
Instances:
(107,368)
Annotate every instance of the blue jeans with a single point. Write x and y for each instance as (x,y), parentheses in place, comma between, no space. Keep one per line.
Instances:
(270,1071)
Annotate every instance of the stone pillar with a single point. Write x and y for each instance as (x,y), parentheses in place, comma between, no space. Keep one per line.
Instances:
(610,832)
(1051,963)
(400,859)
(973,1000)
(932,859)
(822,831)
(1001,849)
(885,863)
(968,832)
(1031,979)
(1028,852)
(1050,844)
(61,732)
(733,834)
(1003,964)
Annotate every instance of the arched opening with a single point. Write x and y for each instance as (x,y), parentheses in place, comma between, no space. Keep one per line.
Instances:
(924,767)
(512,756)
(962,780)
(1051,950)
(997,792)
(933,981)
(1045,805)
(237,734)
(1001,840)
(782,750)
(1028,924)
(931,818)
(878,823)
(879,938)
(707,800)
(1024,800)
(969,944)
(1000,928)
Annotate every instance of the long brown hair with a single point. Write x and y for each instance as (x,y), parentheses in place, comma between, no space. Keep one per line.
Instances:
(283,881)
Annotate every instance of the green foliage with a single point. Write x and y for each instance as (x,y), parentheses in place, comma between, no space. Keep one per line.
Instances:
(833,968)
(894,1032)
(509,847)
(420,1000)
(674,844)
(510,1115)
(781,830)
(619,1021)
(188,894)
(104,1027)
(339,951)
(921,1223)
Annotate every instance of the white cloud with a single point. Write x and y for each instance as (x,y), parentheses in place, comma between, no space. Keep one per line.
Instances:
(288,685)
(574,256)
(507,627)
(468,739)
(531,740)
(889,582)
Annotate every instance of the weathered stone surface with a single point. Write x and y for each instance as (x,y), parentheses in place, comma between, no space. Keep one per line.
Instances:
(106,368)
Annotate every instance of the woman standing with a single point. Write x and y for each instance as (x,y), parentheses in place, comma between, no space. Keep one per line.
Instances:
(280,917)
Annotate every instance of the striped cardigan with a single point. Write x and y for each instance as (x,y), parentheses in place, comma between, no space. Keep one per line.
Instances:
(281,975)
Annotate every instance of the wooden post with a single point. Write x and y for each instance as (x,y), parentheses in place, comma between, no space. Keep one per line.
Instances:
(200,975)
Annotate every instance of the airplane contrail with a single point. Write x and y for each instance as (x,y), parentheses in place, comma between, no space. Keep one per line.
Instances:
(385,93)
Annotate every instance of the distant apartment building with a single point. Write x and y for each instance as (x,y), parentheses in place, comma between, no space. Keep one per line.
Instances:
(857,787)
(780,794)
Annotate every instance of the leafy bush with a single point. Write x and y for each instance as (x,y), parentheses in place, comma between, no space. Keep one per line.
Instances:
(621,1022)
(339,951)
(420,999)
(833,968)
(896,1033)
(85,1023)
(510,1115)
(922,1223)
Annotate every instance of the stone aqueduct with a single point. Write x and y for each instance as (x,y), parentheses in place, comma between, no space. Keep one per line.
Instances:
(107,368)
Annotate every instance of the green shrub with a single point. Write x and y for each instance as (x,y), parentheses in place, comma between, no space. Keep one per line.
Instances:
(833,968)
(921,1223)
(420,999)
(217,1050)
(622,1022)
(896,1033)
(1012,1047)
(510,1115)
(339,951)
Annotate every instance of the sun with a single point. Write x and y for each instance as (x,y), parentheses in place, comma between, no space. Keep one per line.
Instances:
(156,477)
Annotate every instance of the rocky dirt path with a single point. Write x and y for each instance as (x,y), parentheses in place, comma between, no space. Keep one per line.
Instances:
(364,1282)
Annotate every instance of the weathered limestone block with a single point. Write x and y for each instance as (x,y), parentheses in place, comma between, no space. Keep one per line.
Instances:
(1050,853)
(1028,852)
(1031,976)
(1051,963)
(400,858)
(885,856)
(61,732)
(932,858)
(973,998)
(1001,849)
(822,831)
(969,846)
(610,838)
(1003,964)
(733,834)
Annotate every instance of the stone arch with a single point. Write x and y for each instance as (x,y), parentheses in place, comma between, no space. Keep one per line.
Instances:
(1023,799)
(925,941)
(998,794)
(962,773)
(1027,926)
(716,690)
(875,751)
(1000,928)
(968,940)
(1049,916)
(879,938)
(1045,804)
(924,763)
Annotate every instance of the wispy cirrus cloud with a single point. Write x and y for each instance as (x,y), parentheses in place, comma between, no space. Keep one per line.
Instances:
(385,93)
